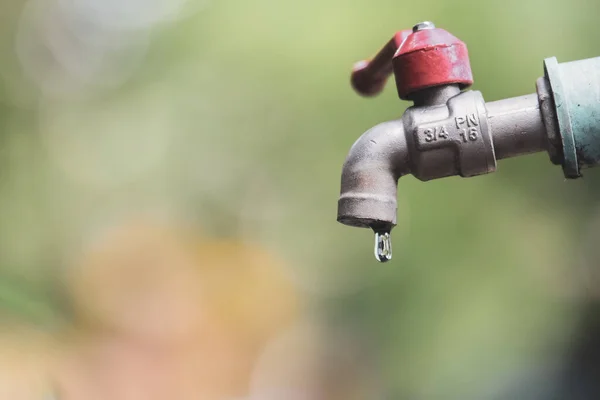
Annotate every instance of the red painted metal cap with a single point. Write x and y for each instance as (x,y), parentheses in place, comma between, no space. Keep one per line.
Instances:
(431,57)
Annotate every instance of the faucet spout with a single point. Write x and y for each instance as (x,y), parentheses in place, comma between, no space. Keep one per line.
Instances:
(370,177)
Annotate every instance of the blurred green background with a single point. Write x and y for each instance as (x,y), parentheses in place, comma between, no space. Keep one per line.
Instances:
(236,116)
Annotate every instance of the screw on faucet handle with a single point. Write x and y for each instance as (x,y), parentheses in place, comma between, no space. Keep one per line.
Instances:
(370,76)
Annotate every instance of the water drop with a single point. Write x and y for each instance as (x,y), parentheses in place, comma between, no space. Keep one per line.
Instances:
(383,246)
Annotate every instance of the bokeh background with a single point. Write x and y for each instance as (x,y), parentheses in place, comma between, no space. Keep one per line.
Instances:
(169,173)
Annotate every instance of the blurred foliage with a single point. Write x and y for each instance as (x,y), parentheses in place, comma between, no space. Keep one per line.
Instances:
(238,120)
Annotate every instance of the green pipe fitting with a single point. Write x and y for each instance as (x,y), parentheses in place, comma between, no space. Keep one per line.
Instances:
(575,88)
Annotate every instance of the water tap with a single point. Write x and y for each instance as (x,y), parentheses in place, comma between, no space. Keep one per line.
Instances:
(452,131)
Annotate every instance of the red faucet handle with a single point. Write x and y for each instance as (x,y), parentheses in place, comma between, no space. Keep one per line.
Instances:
(430,57)
(420,58)
(370,76)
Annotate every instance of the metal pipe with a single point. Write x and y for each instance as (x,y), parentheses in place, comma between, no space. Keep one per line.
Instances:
(517,126)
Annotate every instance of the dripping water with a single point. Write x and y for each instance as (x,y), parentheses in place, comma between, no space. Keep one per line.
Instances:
(383,245)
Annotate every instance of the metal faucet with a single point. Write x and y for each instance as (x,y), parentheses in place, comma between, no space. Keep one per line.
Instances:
(450,131)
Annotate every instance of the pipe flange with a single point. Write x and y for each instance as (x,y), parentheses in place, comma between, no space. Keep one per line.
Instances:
(548,110)
(569,163)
